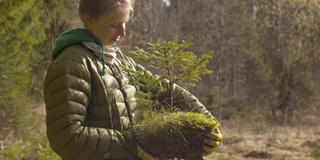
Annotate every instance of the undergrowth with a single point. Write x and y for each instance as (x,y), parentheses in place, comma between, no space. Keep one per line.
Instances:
(316,153)
(29,150)
(29,143)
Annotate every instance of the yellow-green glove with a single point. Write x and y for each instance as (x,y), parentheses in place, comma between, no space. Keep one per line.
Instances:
(143,155)
(212,140)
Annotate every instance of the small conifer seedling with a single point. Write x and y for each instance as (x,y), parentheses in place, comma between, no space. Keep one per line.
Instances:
(164,128)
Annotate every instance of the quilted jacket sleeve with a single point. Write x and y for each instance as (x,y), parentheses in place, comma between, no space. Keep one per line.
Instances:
(187,102)
(67,93)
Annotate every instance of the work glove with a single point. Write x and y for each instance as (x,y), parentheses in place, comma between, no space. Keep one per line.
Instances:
(143,155)
(212,140)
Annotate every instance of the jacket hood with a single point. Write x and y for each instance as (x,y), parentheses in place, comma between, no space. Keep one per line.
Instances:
(71,37)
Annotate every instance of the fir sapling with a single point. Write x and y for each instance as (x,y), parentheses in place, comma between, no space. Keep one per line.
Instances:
(163,129)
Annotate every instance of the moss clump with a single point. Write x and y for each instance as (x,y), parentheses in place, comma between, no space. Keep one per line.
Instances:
(176,135)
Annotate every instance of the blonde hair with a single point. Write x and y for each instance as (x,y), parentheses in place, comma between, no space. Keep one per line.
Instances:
(97,8)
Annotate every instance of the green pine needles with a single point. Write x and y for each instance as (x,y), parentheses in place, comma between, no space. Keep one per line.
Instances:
(173,63)
(160,128)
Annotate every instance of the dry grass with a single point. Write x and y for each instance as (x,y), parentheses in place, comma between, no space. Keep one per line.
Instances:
(274,143)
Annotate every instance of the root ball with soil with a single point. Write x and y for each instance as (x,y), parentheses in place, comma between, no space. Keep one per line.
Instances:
(175,135)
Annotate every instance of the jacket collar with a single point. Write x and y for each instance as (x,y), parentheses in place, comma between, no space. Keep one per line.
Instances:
(71,37)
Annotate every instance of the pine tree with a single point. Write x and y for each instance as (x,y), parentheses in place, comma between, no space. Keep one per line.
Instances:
(170,133)
(25,41)
(21,30)
(173,63)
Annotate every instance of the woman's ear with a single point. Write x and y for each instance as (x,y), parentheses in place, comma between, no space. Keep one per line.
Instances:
(88,20)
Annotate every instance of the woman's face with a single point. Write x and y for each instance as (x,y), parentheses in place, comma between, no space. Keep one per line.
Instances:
(110,27)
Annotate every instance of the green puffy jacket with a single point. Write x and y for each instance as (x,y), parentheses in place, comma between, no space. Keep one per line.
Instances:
(88,114)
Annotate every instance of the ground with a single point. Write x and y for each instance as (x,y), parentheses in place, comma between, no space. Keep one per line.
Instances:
(294,142)
(275,143)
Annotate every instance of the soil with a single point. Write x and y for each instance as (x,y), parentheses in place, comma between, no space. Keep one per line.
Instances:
(174,136)
(176,147)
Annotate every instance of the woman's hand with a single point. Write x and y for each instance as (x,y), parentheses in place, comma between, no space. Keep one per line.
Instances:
(212,140)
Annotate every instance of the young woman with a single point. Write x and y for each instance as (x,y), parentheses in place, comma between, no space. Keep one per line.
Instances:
(89,100)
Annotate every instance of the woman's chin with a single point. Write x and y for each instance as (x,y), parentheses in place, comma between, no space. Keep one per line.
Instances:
(109,44)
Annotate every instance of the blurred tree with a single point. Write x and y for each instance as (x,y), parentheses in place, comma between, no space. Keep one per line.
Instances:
(25,33)
(58,16)
(20,33)
(266,52)
(287,33)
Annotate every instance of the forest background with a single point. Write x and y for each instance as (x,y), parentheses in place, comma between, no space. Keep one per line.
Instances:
(265,84)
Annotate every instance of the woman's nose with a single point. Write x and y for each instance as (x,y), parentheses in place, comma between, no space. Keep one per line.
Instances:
(122,30)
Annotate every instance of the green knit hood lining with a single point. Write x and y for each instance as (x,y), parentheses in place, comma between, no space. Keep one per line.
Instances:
(73,36)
